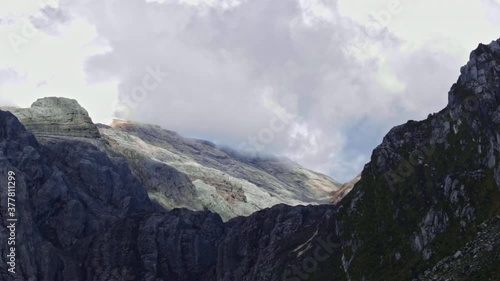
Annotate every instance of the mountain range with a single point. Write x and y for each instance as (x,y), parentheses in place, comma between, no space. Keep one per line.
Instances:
(180,172)
(102,202)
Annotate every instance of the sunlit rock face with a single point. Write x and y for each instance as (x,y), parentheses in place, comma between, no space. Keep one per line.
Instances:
(179,172)
(211,178)
(56,117)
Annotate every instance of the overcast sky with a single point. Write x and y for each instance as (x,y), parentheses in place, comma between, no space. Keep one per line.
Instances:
(319,81)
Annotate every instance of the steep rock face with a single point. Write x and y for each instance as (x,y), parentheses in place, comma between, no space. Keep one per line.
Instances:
(56,117)
(219,180)
(259,247)
(19,154)
(181,245)
(67,192)
(478,260)
(428,186)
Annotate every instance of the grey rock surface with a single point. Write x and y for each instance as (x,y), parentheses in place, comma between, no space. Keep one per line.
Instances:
(67,192)
(211,178)
(56,116)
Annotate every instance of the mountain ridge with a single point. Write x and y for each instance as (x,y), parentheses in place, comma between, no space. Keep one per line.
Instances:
(180,172)
(428,200)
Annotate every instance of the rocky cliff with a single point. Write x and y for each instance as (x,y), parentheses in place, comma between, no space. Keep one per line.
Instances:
(56,117)
(426,208)
(428,188)
(66,193)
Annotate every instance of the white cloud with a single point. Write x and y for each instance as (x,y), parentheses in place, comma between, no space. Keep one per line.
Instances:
(228,60)
(50,62)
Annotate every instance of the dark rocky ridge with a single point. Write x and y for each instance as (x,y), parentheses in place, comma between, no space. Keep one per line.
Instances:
(67,192)
(428,186)
(428,190)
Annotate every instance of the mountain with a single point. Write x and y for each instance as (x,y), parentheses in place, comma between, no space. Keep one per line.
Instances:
(221,180)
(427,207)
(180,172)
(56,117)
(426,191)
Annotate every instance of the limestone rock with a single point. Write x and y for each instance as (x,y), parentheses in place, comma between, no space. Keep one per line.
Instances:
(221,179)
(56,117)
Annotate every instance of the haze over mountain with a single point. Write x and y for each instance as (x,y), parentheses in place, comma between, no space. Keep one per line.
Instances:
(427,206)
(179,172)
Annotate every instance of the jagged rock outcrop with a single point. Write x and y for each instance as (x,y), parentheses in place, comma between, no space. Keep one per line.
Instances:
(66,193)
(181,245)
(477,260)
(258,247)
(428,186)
(56,117)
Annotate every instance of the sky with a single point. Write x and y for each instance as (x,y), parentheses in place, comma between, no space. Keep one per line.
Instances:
(318,81)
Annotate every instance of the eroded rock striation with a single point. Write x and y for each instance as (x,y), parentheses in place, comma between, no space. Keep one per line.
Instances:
(202,176)
(56,117)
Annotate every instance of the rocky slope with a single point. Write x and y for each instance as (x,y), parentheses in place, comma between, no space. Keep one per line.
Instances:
(220,180)
(427,188)
(477,260)
(427,203)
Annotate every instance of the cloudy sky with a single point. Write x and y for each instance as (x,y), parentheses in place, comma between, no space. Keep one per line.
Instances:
(320,81)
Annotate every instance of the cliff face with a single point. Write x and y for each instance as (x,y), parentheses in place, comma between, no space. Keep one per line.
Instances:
(56,117)
(428,187)
(66,194)
(427,206)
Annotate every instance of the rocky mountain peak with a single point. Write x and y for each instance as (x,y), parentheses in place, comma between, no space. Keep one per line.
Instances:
(55,116)
(478,76)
